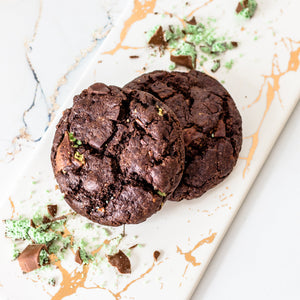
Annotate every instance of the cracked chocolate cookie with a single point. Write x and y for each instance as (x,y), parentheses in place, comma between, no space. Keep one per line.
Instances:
(211,123)
(117,154)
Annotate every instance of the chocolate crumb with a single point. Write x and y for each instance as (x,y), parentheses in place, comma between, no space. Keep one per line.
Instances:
(46,220)
(52,210)
(182,60)
(192,21)
(29,259)
(120,261)
(234,44)
(133,56)
(99,61)
(156,13)
(78,258)
(156,254)
(157,38)
(171,15)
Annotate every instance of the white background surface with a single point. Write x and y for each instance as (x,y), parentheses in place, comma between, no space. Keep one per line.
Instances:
(260,256)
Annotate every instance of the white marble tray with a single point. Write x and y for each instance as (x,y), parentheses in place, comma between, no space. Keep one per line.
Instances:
(263,82)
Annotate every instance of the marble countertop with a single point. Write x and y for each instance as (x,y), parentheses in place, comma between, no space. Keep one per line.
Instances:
(47,44)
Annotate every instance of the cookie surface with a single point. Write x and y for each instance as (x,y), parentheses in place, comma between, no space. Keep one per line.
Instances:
(116,154)
(211,123)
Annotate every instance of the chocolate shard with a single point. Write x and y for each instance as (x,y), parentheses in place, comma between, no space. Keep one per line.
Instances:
(192,21)
(183,60)
(32,224)
(46,220)
(63,155)
(156,255)
(29,259)
(241,6)
(133,56)
(157,38)
(52,210)
(78,258)
(120,261)
(133,246)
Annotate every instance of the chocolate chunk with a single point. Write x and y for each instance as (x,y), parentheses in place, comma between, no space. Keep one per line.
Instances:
(120,261)
(183,60)
(64,152)
(157,38)
(29,259)
(133,56)
(156,254)
(52,210)
(78,258)
(46,220)
(192,21)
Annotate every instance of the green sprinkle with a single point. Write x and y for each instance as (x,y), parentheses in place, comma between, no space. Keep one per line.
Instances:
(58,225)
(256,38)
(75,141)
(16,253)
(205,49)
(79,157)
(228,65)
(71,137)
(248,10)
(162,194)
(172,67)
(37,218)
(88,225)
(48,191)
(222,81)
(34,182)
(140,245)
(218,47)
(216,66)
(53,248)
(52,281)
(40,236)
(83,243)
(85,256)
(66,241)
(17,229)
(43,259)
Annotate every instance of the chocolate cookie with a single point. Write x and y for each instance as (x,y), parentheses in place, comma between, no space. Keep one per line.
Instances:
(117,154)
(211,123)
